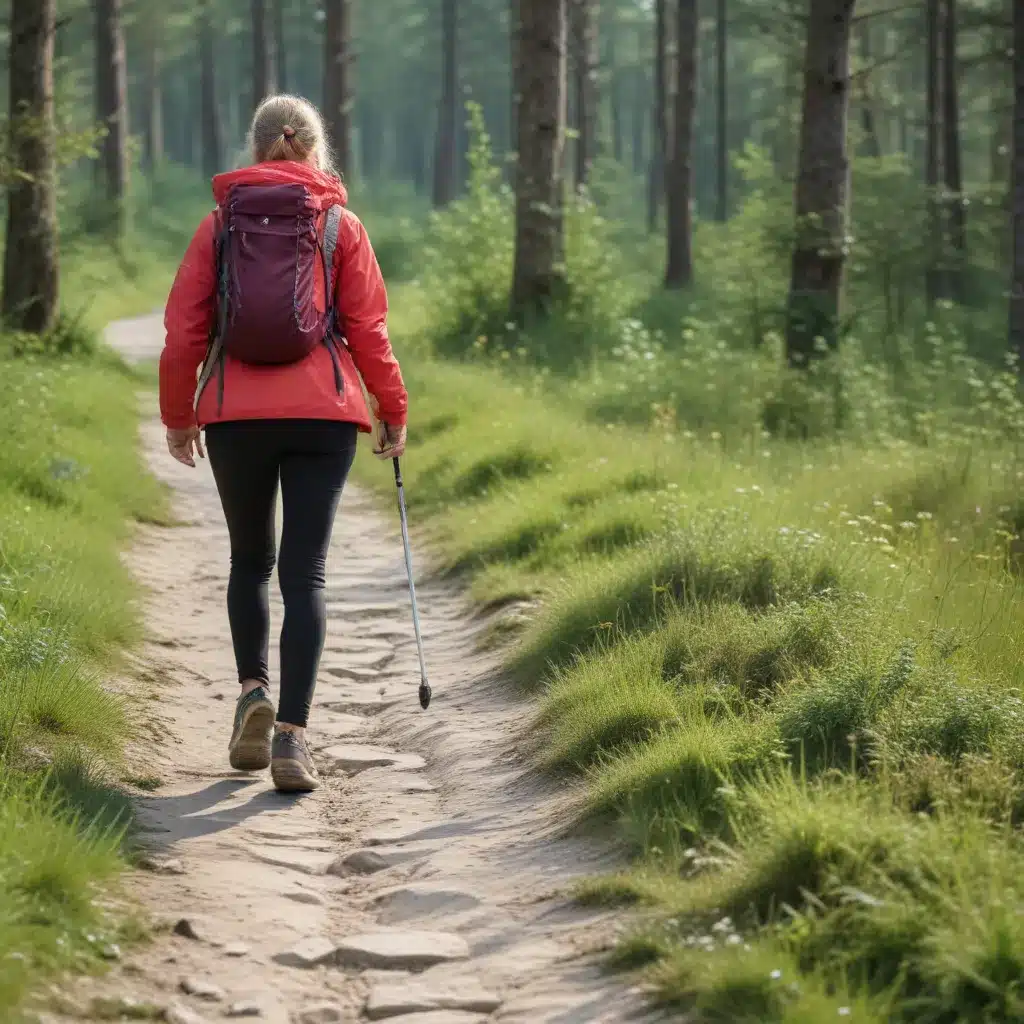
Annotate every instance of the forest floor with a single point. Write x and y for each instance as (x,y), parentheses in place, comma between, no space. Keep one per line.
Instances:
(429,880)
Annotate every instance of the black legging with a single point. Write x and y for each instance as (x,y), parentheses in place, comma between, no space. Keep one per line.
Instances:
(311,458)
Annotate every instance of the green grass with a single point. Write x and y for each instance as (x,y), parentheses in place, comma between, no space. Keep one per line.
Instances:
(72,487)
(788,670)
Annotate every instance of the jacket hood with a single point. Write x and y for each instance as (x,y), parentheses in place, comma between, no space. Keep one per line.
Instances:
(325,189)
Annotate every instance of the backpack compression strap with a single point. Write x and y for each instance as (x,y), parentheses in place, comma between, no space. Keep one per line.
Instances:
(331,229)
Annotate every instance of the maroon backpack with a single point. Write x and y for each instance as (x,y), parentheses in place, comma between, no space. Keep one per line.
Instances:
(268,255)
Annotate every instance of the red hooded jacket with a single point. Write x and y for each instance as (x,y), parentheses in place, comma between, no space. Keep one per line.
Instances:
(302,390)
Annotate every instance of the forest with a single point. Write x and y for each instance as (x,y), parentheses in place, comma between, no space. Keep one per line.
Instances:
(711,313)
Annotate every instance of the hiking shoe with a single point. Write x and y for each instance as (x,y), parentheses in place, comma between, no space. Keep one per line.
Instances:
(249,749)
(291,765)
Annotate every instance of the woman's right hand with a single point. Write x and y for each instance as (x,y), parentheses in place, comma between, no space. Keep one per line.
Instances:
(390,441)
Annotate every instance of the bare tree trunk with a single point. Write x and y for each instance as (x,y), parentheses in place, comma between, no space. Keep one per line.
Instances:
(280,49)
(872,144)
(586,61)
(262,54)
(615,99)
(934,276)
(722,111)
(112,107)
(337,80)
(1016,189)
(822,184)
(30,282)
(209,115)
(513,44)
(955,210)
(679,271)
(446,149)
(539,278)
(659,130)
(153,102)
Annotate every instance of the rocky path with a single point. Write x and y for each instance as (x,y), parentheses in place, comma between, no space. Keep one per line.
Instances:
(425,883)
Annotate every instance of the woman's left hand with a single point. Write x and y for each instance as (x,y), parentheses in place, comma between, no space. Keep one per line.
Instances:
(185,444)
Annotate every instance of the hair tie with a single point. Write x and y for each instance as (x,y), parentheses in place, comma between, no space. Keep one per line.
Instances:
(289,131)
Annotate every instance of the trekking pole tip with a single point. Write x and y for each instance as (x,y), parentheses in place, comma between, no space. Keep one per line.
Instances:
(425,695)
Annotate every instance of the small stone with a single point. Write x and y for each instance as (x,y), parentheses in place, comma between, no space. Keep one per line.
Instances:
(111,952)
(236,949)
(244,1010)
(401,950)
(314,899)
(202,989)
(319,1013)
(178,1014)
(362,862)
(162,865)
(191,928)
(392,999)
(309,952)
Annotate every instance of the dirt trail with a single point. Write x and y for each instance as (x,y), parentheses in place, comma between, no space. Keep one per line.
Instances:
(424,883)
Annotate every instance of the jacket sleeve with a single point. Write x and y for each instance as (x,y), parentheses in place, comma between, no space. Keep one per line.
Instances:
(188,319)
(362,305)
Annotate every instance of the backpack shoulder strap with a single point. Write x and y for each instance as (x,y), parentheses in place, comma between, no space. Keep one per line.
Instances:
(332,227)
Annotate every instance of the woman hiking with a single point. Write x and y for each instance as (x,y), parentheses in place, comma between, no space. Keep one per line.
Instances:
(280,301)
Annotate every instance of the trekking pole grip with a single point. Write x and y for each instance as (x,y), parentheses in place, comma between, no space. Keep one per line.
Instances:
(398,471)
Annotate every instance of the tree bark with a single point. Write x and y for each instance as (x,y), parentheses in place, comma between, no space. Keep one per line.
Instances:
(872,143)
(722,112)
(822,184)
(262,54)
(153,103)
(112,107)
(30,281)
(586,62)
(935,285)
(209,114)
(539,277)
(956,214)
(446,149)
(659,130)
(679,271)
(337,80)
(280,48)
(1016,189)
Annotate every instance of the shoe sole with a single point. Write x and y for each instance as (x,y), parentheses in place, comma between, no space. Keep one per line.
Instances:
(291,776)
(251,751)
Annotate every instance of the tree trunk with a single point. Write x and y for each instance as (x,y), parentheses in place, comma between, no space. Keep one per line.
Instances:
(262,54)
(337,80)
(446,150)
(1016,189)
(153,125)
(722,110)
(872,144)
(586,62)
(539,277)
(822,184)
(513,47)
(209,115)
(955,211)
(615,100)
(935,287)
(280,48)
(112,107)
(659,130)
(30,282)
(679,271)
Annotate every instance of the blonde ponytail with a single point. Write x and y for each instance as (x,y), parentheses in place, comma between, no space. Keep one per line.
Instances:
(289,128)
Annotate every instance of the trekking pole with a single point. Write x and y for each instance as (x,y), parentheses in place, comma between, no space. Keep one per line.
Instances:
(425,692)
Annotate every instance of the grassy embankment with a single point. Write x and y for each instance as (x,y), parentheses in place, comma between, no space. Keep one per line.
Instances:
(72,484)
(774,630)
